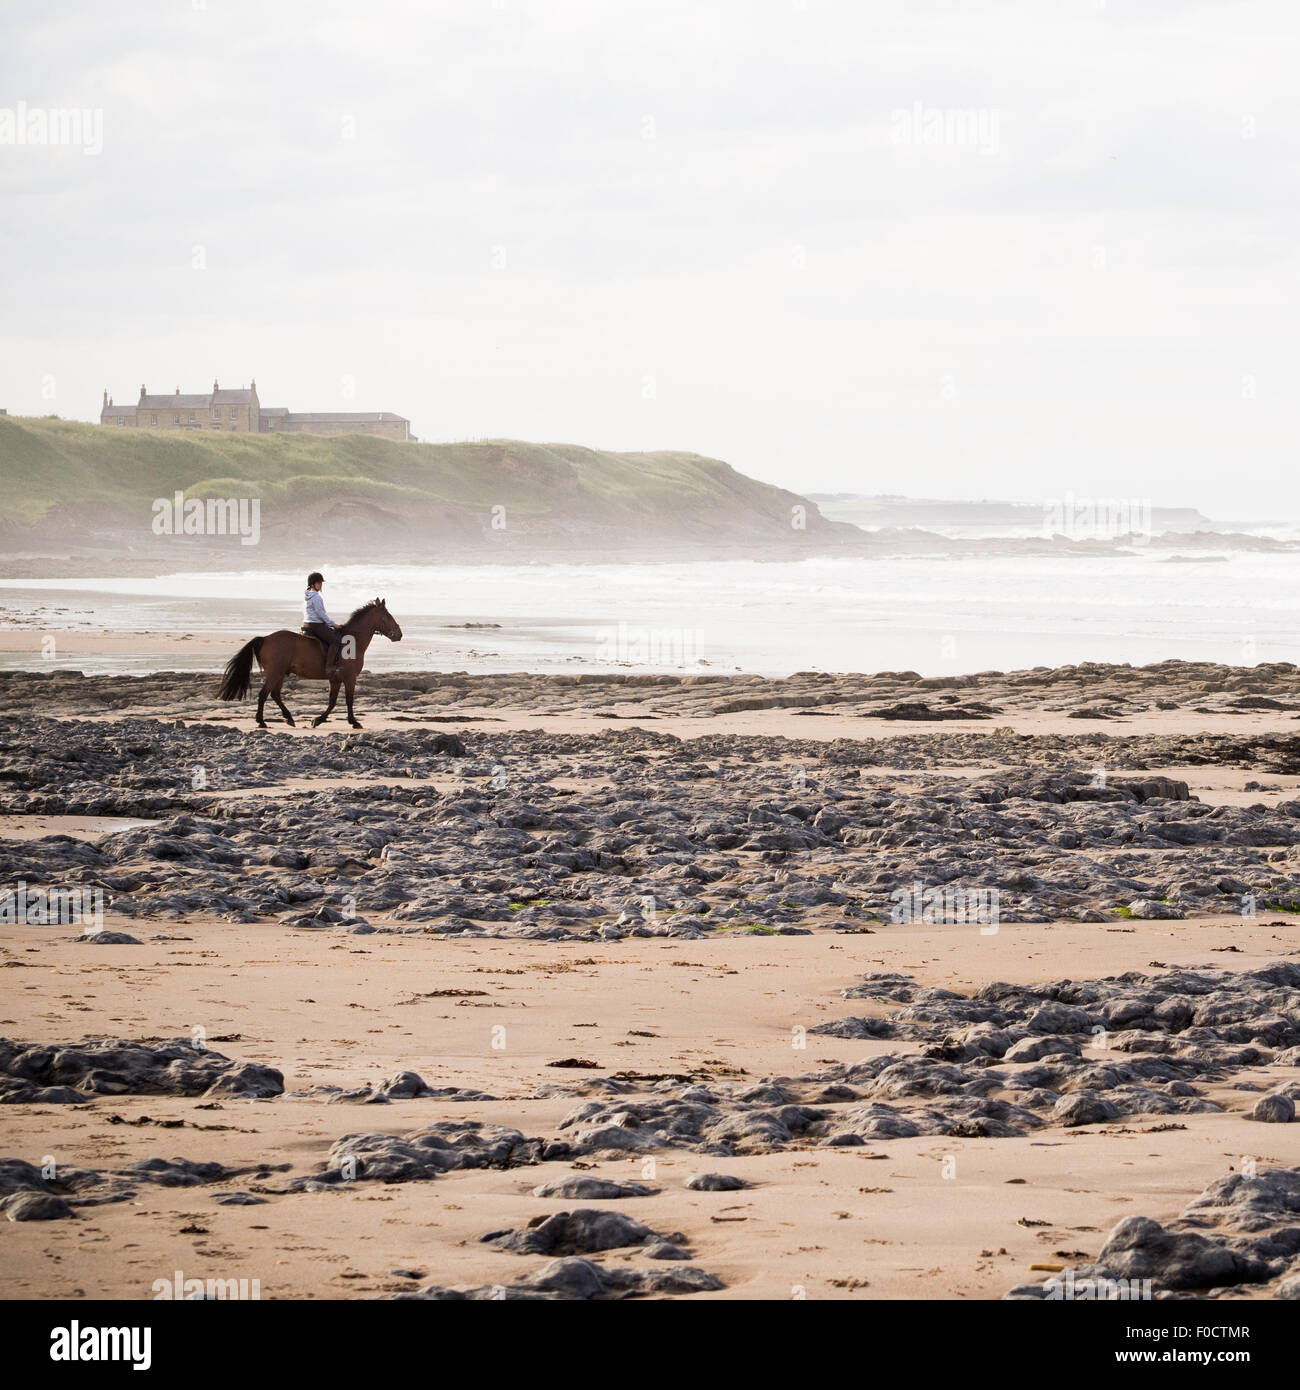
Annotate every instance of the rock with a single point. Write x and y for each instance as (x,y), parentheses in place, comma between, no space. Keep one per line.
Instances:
(578,1279)
(36,1206)
(175,1172)
(1156,788)
(1033,1049)
(715,1182)
(1274,1108)
(405,1085)
(1055,1018)
(1240,1231)
(606,1137)
(1083,1108)
(108,1067)
(1150,909)
(425,1154)
(1249,1202)
(665,1250)
(582,1188)
(1139,1248)
(246,1079)
(584,1231)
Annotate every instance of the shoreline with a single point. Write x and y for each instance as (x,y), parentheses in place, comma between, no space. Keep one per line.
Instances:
(192,555)
(941,618)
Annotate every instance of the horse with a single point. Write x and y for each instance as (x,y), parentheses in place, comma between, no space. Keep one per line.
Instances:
(283,653)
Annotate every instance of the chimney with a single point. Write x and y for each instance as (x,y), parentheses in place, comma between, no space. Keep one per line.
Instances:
(105,395)
(178,390)
(142,392)
(215,387)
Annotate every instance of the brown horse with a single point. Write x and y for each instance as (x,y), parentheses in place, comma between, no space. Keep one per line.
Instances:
(286,653)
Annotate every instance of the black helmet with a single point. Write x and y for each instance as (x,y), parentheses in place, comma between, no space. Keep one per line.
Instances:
(315,577)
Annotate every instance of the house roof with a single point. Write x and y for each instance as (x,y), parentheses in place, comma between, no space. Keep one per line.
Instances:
(242,395)
(247,395)
(345,417)
(172,402)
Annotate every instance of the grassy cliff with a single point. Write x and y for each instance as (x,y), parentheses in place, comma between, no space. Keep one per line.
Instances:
(79,484)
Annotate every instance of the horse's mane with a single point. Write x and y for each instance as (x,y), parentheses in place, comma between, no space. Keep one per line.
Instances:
(361,612)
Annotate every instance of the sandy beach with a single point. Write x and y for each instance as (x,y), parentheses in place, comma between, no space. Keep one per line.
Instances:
(927,1217)
(637,929)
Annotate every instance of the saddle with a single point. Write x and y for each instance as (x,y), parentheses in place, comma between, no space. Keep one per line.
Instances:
(324,641)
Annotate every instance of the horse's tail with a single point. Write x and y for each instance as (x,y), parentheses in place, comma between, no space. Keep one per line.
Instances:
(239,668)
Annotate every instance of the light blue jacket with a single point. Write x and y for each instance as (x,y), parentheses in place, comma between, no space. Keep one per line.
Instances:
(313,607)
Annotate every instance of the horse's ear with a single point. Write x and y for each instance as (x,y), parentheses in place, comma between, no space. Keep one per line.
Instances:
(381,603)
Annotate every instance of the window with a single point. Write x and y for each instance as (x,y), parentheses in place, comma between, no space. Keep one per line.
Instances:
(216,412)
(234,414)
(153,419)
(121,419)
(176,419)
(191,417)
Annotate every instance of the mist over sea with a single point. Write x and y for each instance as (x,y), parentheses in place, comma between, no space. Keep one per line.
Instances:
(937,615)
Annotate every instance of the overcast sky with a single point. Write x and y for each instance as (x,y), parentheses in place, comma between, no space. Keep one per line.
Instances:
(946,249)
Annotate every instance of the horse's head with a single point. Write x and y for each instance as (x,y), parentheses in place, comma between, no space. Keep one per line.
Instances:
(385,622)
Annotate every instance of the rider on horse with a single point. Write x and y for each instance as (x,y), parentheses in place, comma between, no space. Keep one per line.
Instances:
(318,623)
(286,653)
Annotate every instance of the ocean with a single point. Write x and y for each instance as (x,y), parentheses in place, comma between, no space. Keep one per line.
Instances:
(937,615)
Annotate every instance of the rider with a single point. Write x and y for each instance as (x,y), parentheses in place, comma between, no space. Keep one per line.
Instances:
(319,624)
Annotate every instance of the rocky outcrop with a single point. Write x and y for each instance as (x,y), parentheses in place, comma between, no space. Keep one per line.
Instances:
(1240,1232)
(76,1072)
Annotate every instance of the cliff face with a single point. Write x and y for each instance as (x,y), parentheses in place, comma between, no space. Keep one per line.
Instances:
(87,487)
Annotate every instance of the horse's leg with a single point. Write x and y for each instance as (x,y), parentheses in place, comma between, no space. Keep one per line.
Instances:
(284,709)
(261,706)
(348,688)
(325,714)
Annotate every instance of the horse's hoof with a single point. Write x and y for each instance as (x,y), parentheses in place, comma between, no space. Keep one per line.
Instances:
(316,723)
(290,723)
(356,723)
